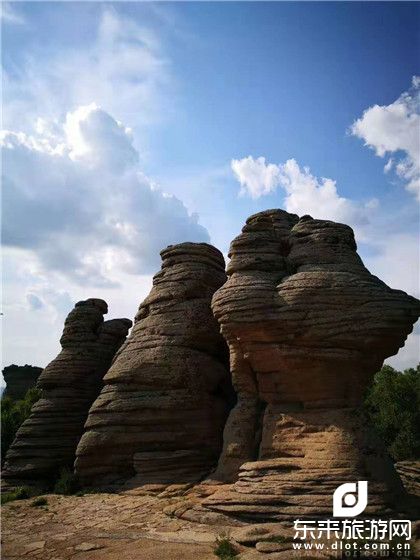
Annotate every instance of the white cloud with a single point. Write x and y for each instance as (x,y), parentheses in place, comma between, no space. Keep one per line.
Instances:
(10,15)
(122,68)
(304,193)
(32,331)
(397,261)
(256,177)
(80,218)
(395,129)
(77,199)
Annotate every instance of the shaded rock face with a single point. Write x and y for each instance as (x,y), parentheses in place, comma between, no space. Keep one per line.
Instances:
(409,472)
(307,327)
(160,416)
(47,440)
(19,379)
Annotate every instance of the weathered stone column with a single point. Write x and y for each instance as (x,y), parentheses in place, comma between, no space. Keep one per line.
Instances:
(47,440)
(160,415)
(307,327)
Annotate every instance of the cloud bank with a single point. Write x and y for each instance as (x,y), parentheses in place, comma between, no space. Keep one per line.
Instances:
(75,196)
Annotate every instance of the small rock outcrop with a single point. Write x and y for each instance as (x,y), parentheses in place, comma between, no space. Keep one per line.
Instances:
(160,416)
(19,379)
(47,440)
(307,327)
(409,472)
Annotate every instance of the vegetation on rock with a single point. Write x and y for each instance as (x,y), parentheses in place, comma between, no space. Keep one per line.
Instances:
(224,548)
(39,502)
(19,493)
(67,484)
(13,414)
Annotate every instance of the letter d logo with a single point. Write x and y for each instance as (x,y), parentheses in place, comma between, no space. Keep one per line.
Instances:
(346,503)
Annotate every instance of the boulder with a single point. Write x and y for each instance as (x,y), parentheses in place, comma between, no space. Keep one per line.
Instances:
(160,416)
(47,440)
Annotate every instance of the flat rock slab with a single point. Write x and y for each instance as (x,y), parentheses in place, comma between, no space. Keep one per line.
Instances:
(85,546)
(102,527)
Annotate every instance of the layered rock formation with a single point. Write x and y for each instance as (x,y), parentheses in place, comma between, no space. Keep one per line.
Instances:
(47,440)
(19,379)
(160,416)
(307,327)
(409,472)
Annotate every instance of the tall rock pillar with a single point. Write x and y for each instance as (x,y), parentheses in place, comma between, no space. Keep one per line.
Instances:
(160,416)
(47,440)
(307,327)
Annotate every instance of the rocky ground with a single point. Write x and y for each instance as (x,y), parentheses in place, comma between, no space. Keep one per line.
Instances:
(101,526)
(129,526)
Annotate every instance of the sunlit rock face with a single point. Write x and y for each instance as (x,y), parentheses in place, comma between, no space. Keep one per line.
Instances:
(47,440)
(307,327)
(160,415)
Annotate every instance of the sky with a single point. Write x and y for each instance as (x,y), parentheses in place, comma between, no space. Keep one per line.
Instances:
(130,126)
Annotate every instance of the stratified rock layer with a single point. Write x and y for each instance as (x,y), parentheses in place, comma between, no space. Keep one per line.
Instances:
(19,379)
(47,440)
(161,414)
(307,327)
(409,472)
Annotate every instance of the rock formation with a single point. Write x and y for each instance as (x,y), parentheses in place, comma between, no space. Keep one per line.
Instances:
(47,440)
(409,472)
(307,327)
(19,379)
(160,416)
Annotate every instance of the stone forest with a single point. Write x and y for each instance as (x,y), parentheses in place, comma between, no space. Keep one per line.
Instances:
(231,409)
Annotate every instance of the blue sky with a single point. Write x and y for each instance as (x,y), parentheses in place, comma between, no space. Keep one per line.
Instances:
(133,125)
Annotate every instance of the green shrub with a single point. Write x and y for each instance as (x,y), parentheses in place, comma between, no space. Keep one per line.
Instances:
(224,548)
(19,493)
(67,483)
(393,405)
(13,414)
(38,502)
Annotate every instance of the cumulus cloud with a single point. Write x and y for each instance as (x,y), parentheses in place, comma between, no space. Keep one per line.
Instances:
(304,192)
(395,129)
(76,197)
(256,177)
